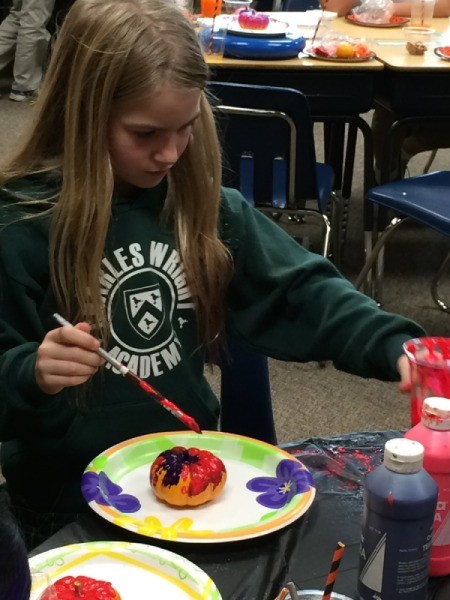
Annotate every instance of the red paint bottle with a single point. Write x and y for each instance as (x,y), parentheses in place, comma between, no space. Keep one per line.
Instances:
(433,432)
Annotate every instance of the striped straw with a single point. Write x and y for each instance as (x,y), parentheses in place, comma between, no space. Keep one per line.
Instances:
(211,35)
(333,571)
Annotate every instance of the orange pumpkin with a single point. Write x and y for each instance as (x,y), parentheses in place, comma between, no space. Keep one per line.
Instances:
(187,476)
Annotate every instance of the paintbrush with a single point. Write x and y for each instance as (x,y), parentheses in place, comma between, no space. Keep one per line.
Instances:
(125,371)
(324,5)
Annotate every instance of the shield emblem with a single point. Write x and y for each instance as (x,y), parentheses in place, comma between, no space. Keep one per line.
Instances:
(145,310)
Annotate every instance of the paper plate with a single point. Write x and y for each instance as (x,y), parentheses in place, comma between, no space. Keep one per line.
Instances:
(310,52)
(266,489)
(444,55)
(130,568)
(394,22)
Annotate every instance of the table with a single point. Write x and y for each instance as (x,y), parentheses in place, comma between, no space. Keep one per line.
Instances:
(338,94)
(414,86)
(415,90)
(302,552)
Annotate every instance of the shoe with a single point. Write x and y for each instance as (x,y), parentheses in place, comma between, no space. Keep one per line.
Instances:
(19,96)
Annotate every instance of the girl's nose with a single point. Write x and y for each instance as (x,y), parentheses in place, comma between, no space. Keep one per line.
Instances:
(167,152)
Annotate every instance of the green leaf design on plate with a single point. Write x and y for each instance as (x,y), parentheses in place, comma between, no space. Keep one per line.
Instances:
(99,463)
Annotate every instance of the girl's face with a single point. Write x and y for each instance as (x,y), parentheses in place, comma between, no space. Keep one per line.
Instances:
(147,136)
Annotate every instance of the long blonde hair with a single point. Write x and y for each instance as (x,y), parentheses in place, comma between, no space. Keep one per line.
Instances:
(111,50)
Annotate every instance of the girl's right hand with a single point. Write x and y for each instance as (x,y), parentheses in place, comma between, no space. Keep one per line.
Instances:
(67,357)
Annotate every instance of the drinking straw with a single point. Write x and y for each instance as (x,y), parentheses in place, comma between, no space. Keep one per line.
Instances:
(211,35)
(333,571)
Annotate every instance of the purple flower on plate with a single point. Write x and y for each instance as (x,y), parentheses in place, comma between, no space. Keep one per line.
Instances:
(291,479)
(99,488)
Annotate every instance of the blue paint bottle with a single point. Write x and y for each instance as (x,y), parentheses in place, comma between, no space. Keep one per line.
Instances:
(399,504)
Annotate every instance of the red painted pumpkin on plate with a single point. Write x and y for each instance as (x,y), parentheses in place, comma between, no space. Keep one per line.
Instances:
(70,588)
(187,476)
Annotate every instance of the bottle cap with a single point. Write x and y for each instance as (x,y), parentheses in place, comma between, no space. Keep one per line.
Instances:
(436,413)
(403,455)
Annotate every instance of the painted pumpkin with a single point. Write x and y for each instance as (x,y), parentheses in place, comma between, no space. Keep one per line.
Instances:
(187,476)
(68,588)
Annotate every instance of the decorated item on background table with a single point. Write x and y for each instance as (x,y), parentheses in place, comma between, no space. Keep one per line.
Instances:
(250,35)
(417,39)
(443,52)
(329,44)
(248,18)
(429,360)
(187,476)
(373,12)
(433,432)
(336,46)
(135,380)
(399,505)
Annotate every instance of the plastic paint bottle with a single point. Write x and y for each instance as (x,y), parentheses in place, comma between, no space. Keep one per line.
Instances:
(433,432)
(399,503)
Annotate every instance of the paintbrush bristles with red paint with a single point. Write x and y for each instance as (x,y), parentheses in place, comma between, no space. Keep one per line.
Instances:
(136,380)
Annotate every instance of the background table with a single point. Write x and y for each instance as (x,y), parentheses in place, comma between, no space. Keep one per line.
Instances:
(338,94)
(256,569)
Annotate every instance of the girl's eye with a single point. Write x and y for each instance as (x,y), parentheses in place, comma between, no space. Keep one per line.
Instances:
(144,134)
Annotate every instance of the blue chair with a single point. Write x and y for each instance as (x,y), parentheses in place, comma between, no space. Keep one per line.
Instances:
(424,199)
(246,402)
(268,141)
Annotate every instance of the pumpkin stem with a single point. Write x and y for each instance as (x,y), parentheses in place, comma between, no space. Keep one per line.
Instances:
(78,588)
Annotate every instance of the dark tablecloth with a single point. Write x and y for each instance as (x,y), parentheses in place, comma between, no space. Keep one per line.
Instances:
(256,569)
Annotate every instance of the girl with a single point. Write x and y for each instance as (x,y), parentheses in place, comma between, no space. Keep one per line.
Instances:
(115,218)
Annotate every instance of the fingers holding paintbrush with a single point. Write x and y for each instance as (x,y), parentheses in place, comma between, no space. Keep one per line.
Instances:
(66,357)
(167,404)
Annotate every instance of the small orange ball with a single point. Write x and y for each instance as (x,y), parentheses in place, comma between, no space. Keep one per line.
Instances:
(345,50)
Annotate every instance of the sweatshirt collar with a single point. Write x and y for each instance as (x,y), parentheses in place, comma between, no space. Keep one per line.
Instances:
(139,197)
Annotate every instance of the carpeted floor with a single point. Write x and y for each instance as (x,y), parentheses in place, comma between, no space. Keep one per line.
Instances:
(309,400)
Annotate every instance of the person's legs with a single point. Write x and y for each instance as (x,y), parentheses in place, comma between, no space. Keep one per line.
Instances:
(32,45)
(417,137)
(427,136)
(382,120)
(9,29)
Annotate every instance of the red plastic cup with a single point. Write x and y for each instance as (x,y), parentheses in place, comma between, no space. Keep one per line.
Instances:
(429,359)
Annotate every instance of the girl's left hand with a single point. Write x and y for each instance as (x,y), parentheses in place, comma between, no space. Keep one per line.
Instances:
(405,374)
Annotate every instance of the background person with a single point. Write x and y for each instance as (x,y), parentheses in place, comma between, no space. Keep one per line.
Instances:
(24,40)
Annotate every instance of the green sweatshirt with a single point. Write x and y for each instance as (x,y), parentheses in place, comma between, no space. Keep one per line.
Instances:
(283,301)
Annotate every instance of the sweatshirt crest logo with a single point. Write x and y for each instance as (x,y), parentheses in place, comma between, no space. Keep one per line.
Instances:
(148,303)
(145,310)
